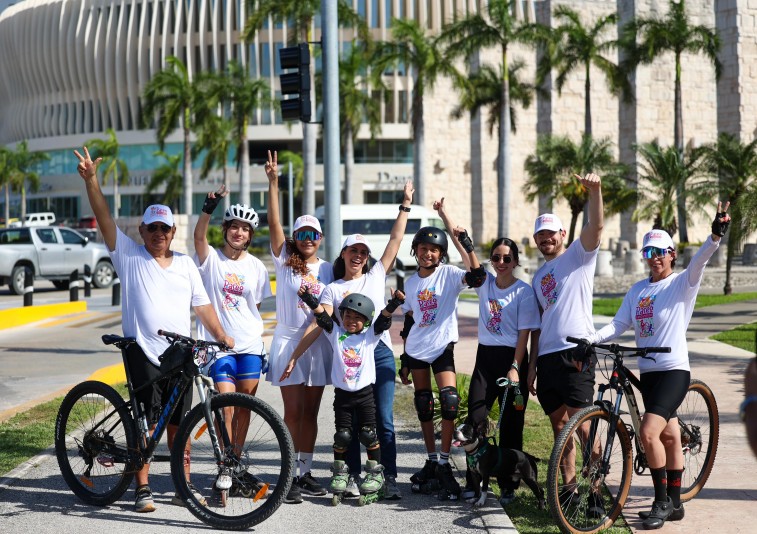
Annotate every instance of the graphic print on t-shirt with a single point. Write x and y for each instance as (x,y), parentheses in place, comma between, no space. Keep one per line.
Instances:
(312,284)
(549,288)
(494,323)
(352,362)
(233,288)
(645,316)
(428,305)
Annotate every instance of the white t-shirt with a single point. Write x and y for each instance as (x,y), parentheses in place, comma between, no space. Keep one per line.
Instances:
(290,310)
(660,313)
(564,288)
(372,284)
(235,288)
(353,366)
(433,301)
(155,298)
(503,312)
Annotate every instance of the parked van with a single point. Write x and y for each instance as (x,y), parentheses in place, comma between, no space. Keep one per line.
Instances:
(375,221)
(45,218)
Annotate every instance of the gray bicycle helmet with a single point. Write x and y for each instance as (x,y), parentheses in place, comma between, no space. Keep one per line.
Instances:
(242,212)
(359,303)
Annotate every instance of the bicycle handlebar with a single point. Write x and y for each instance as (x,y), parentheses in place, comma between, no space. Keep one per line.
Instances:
(173,336)
(615,348)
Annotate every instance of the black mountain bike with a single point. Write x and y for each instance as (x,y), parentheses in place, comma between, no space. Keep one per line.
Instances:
(240,452)
(595,446)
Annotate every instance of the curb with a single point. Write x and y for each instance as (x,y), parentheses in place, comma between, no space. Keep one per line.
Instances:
(13,317)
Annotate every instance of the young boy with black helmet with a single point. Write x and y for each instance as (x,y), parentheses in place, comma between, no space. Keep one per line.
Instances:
(353,373)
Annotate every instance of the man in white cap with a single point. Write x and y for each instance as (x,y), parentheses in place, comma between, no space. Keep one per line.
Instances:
(159,288)
(564,286)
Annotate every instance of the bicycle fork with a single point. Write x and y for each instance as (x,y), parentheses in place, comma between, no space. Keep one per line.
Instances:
(613,417)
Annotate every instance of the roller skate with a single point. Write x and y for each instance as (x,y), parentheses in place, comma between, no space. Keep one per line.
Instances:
(248,485)
(222,485)
(425,481)
(449,487)
(338,484)
(372,487)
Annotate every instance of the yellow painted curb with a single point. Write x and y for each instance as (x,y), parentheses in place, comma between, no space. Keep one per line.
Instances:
(30,314)
(273,287)
(114,374)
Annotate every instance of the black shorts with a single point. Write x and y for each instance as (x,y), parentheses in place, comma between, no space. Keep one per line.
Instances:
(152,398)
(360,403)
(664,391)
(559,383)
(444,362)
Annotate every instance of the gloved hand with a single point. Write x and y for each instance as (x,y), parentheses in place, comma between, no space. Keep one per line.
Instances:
(721,222)
(584,355)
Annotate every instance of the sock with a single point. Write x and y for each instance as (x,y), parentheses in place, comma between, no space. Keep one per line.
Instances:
(374,454)
(443,458)
(674,486)
(306,460)
(659,479)
(432,456)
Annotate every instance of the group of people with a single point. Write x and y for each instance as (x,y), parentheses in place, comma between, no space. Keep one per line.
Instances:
(329,333)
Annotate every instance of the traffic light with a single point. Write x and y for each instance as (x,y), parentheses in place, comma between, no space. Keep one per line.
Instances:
(295,83)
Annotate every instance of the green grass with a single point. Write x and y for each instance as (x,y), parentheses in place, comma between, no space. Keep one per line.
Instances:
(743,337)
(609,306)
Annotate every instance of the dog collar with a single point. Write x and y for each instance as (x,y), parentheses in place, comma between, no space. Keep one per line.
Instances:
(472,459)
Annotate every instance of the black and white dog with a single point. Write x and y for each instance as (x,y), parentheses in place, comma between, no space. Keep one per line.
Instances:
(485,460)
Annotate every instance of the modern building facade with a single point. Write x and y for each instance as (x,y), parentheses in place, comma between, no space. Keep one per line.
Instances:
(74,68)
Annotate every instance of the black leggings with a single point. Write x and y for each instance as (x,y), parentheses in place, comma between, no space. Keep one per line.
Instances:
(493,362)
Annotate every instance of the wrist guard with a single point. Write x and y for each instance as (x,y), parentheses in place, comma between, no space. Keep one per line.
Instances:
(720,228)
(210,204)
(466,241)
(393,304)
(409,322)
(475,277)
(310,300)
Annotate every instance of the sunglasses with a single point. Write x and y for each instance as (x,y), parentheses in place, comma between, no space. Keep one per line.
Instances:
(649,253)
(305,235)
(152,228)
(497,258)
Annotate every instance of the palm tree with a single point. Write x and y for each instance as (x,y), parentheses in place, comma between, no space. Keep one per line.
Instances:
(214,140)
(498,29)
(735,165)
(422,53)
(24,164)
(662,171)
(646,39)
(550,174)
(7,172)
(112,165)
(167,101)
(299,15)
(168,175)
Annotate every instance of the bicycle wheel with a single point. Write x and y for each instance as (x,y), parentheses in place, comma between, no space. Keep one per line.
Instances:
(594,501)
(258,455)
(700,429)
(94,433)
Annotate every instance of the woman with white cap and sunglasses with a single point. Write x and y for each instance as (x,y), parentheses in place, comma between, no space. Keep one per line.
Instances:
(298,266)
(236,282)
(659,309)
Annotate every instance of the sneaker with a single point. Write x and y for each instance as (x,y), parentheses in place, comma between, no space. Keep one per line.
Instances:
(660,512)
(353,486)
(508,496)
(294,496)
(676,515)
(391,491)
(310,486)
(447,479)
(596,506)
(195,493)
(143,501)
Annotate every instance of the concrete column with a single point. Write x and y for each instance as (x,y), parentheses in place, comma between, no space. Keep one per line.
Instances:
(604,264)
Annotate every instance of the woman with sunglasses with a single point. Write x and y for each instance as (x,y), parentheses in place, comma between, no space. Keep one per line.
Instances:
(298,266)
(659,309)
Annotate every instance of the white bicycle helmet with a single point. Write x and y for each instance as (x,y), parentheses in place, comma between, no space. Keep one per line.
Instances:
(242,212)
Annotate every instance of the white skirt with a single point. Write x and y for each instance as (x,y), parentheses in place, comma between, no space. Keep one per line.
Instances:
(313,367)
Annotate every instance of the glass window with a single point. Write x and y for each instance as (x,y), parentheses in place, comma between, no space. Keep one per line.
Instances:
(71,238)
(19,236)
(47,235)
(375,13)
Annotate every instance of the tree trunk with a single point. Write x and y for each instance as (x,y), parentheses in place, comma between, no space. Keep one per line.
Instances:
(244,167)
(349,164)
(187,167)
(419,181)
(587,102)
(7,205)
(23,201)
(731,246)
(227,198)
(683,231)
(504,165)
(573,221)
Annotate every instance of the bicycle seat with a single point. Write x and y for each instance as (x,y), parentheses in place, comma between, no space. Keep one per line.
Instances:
(120,341)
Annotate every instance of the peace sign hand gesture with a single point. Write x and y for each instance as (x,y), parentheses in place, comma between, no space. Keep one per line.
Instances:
(722,220)
(87,168)
(272,166)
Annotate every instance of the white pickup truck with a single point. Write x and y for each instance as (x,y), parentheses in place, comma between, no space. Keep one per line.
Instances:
(52,253)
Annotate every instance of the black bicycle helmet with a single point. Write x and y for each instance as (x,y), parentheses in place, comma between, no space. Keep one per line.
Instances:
(359,303)
(433,236)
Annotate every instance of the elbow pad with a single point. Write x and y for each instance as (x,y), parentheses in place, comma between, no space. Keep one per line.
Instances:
(325,321)
(475,277)
(409,322)
(382,323)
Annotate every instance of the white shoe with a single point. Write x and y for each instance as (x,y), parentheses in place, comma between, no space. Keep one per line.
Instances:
(353,486)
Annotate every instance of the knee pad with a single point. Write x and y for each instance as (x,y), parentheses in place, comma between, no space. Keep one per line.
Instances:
(368,437)
(342,438)
(450,402)
(424,405)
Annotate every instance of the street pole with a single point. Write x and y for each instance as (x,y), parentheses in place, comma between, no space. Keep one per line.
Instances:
(331,167)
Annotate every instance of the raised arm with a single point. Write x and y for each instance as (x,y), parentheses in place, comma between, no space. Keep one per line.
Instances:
(274,215)
(398,229)
(88,171)
(201,228)
(449,226)
(720,223)
(591,234)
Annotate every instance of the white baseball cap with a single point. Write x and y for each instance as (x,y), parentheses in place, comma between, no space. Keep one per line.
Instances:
(547,221)
(658,238)
(158,213)
(355,239)
(307,220)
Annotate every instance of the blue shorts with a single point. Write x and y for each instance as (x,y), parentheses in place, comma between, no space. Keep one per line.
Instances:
(233,367)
